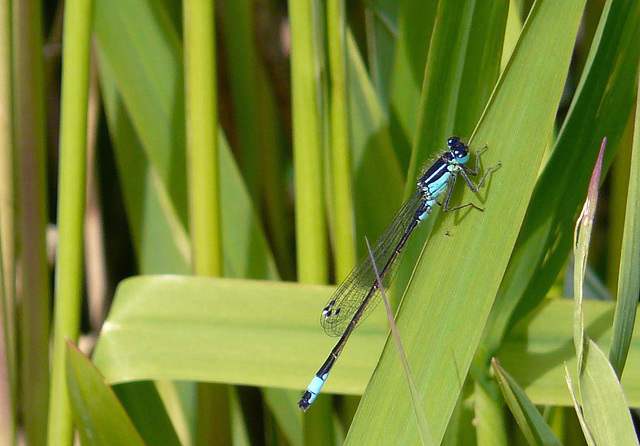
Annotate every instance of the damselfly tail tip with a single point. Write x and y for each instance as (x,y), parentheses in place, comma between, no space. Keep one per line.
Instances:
(305,402)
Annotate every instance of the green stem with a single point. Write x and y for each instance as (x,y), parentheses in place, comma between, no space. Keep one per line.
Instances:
(204,187)
(343,224)
(32,189)
(71,205)
(8,368)
(311,238)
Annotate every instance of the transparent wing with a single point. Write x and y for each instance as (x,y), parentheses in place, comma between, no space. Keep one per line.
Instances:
(345,302)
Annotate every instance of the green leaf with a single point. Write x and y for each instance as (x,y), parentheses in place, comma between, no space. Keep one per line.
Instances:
(99,416)
(462,265)
(605,409)
(600,108)
(606,414)
(267,334)
(225,330)
(574,398)
(629,280)
(462,69)
(531,422)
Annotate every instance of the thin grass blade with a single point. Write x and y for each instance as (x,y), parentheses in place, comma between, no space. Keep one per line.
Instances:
(581,239)
(97,413)
(583,424)
(629,278)
(605,408)
(421,416)
(531,422)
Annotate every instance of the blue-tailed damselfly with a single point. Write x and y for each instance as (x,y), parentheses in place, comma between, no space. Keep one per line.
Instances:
(358,294)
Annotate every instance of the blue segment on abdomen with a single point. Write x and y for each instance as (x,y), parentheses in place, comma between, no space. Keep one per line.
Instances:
(427,211)
(315,386)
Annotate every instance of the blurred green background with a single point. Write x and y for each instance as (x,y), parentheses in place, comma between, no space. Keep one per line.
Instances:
(255,144)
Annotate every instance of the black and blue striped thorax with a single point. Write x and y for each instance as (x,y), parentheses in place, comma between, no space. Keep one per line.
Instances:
(436,179)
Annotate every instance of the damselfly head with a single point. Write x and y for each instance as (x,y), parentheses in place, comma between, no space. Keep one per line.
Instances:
(458,149)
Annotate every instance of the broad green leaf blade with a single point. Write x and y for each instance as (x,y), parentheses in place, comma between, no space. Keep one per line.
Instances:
(629,278)
(600,108)
(97,413)
(418,409)
(225,330)
(531,422)
(460,270)
(267,334)
(605,408)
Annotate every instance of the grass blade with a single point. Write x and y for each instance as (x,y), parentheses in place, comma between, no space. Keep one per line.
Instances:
(629,278)
(203,176)
(8,344)
(605,408)
(308,160)
(531,422)
(100,417)
(581,239)
(421,416)
(604,96)
(448,279)
(574,398)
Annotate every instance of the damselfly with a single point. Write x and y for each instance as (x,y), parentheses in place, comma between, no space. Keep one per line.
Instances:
(358,294)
